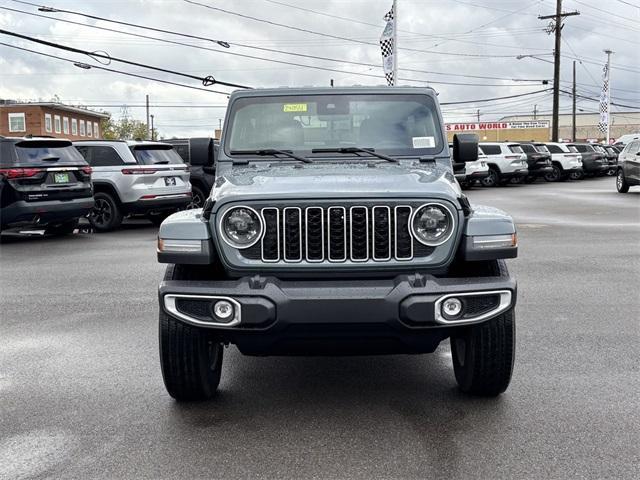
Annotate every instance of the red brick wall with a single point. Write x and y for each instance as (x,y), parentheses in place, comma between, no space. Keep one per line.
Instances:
(35,122)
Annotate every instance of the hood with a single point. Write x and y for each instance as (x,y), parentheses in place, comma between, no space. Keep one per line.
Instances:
(366,179)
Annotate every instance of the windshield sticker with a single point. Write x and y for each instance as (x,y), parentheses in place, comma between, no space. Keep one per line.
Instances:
(294,107)
(424,142)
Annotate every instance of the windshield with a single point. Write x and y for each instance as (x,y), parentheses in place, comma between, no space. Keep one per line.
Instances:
(156,155)
(39,153)
(398,124)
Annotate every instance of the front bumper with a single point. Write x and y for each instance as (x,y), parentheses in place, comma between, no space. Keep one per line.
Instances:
(278,317)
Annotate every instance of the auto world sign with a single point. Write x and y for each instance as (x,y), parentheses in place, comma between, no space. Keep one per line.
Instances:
(519,125)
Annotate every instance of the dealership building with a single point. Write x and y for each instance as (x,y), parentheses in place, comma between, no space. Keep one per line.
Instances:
(50,119)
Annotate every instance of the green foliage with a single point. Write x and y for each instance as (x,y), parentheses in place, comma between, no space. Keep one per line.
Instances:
(125,129)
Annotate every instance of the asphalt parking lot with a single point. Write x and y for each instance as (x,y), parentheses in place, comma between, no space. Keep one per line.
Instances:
(81,395)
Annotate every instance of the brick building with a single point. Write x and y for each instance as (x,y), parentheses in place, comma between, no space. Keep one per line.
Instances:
(49,119)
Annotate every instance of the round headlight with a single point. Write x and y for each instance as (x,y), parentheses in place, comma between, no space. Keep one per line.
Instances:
(241,227)
(432,224)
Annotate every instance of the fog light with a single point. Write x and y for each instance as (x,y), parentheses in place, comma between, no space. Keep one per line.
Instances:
(451,307)
(223,310)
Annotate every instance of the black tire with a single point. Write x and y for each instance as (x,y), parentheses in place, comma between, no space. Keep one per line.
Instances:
(190,358)
(483,356)
(576,175)
(197,199)
(106,214)
(621,182)
(65,228)
(555,175)
(492,179)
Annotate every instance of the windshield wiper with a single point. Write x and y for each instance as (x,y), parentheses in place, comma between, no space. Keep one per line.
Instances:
(50,159)
(161,162)
(272,152)
(370,151)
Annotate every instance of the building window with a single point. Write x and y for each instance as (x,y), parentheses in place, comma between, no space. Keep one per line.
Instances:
(65,125)
(95,130)
(57,126)
(83,132)
(48,126)
(89,131)
(74,126)
(17,122)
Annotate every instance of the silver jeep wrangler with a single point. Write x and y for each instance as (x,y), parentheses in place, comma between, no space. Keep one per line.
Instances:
(336,227)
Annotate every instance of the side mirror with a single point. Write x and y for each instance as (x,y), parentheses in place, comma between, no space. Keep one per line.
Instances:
(201,152)
(465,147)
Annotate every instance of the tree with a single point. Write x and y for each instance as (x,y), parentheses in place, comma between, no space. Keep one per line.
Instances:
(125,129)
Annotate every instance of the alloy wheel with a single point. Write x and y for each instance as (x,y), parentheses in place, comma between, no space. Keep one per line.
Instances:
(101,214)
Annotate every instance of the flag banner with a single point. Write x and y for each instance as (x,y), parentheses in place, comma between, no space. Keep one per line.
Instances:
(603,125)
(387,46)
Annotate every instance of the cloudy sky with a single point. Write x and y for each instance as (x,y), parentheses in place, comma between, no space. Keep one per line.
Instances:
(465,49)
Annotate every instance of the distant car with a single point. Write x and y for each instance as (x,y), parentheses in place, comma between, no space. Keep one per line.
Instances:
(628,172)
(200,154)
(506,160)
(538,160)
(44,184)
(134,178)
(610,158)
(475,171)
(593,161)
(566,162)
(625,139)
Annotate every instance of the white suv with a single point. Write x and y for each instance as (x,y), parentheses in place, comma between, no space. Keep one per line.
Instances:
(134,178)
(475,171)
(566,162)
(506,161)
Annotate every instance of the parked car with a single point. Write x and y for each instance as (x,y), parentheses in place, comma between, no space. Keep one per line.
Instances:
(612,158)
(628,173)
(475,171)
(200,154)
(566,162)
(538,160)
(320,241)
(134,178)
(593,162)
(44,184)
(625,139)
(506,160)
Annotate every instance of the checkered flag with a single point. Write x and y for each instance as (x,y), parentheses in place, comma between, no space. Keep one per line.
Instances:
(603,125)
(387,46)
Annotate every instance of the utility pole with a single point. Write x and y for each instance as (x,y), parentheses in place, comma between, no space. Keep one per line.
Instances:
(573,111)
(395,43)
(153,131)
(478,114)
(147,103)
(535,112)
(608,93)
(556,27)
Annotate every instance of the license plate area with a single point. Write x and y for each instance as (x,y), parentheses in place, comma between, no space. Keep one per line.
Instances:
(170,181)
(61,177)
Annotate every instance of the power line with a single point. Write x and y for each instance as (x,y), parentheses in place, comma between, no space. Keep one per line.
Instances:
(85,66)
(315,57)
(328,35)
(495,98)
(597,100)
(206,81)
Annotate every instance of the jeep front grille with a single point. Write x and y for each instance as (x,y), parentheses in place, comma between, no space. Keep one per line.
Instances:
(336,233)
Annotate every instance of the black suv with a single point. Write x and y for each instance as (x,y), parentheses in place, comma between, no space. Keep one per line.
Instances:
(593,162)
(200,154)
(44,183)
(538,159)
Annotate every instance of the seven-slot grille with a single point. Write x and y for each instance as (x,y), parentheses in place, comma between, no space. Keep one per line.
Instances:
(316,234)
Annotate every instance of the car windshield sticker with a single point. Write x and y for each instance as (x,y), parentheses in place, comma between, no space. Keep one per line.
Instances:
(294,107)
(424,142)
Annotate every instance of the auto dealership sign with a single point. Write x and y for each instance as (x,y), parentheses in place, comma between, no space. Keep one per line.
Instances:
(519,125)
